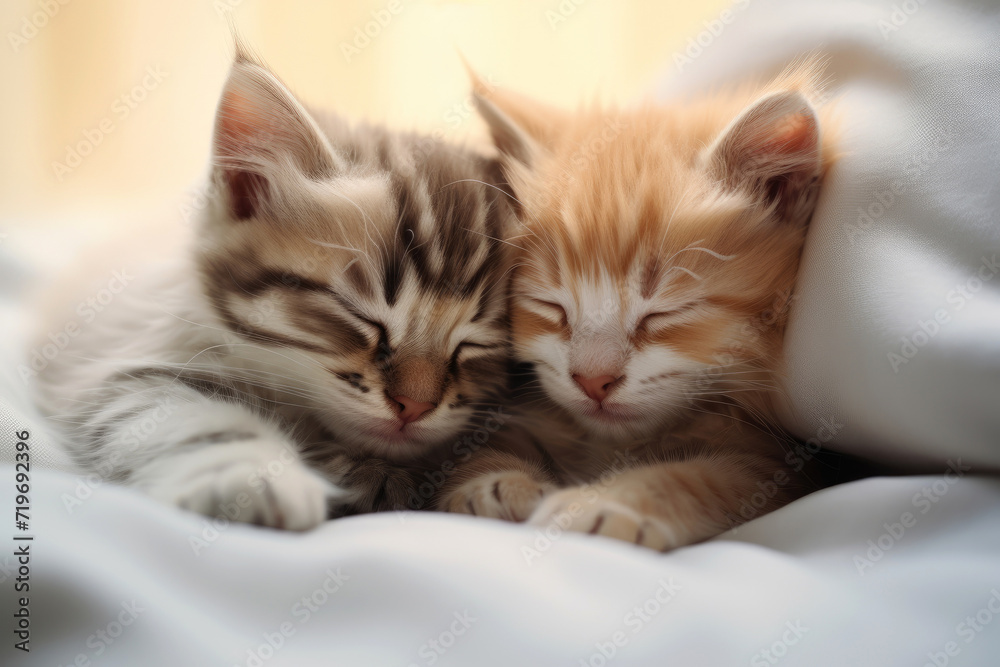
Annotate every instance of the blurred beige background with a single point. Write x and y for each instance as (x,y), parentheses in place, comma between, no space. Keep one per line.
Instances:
(137,81)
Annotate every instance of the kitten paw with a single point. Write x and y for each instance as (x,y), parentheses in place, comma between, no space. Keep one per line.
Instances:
(511,496)
(240,482)
(579,512)
(371,485)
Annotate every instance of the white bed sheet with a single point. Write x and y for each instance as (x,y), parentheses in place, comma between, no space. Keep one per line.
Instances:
(803,583)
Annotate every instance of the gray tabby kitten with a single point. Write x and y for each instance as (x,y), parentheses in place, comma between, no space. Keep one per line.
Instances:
(343,308)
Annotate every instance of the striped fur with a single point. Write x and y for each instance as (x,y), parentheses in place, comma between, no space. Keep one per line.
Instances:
(335,269)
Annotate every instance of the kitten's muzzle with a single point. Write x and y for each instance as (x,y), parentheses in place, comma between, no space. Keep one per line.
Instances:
(410,410)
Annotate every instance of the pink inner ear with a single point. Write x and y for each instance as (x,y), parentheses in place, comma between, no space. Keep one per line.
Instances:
(236,122)
(796,133)
(239,132)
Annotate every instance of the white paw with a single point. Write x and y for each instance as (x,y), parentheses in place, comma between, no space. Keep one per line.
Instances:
(580,512)
(509,495)
(250,482)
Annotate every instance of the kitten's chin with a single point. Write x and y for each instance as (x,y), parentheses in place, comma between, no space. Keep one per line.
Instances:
(391,441)
(385,438)
(618,423)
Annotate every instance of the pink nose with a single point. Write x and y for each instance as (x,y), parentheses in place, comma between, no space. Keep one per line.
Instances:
(596,388)
(411,410)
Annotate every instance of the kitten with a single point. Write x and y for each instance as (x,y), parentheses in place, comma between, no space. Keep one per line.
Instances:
(343,307)
(650,297)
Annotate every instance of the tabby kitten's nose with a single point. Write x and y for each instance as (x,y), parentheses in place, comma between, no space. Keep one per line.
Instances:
(596,388)
(411,410)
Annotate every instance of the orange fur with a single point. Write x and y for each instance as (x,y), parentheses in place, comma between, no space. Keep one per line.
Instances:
(660,248)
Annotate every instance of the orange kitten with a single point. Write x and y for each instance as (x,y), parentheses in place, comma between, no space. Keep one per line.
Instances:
(660,248)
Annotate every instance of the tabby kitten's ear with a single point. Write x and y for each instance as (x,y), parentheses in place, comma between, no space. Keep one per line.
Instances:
(262,132)
(521,128)
(772,151)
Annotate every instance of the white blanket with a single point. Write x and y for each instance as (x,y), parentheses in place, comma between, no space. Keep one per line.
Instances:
(894,335)
(881,572)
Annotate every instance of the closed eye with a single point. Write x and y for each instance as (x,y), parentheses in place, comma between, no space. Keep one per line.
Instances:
(470,346)
(380,329)
(383,349)
(552,310)
(664,317)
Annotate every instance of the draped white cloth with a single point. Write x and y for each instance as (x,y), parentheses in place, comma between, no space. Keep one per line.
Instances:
(895,330)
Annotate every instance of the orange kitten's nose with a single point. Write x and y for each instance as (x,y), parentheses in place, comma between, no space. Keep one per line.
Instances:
(596,388)
(411,410)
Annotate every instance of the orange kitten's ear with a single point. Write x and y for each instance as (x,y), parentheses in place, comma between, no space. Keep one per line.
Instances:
(260,128)
(508,137)
(773,151)
(521,128)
